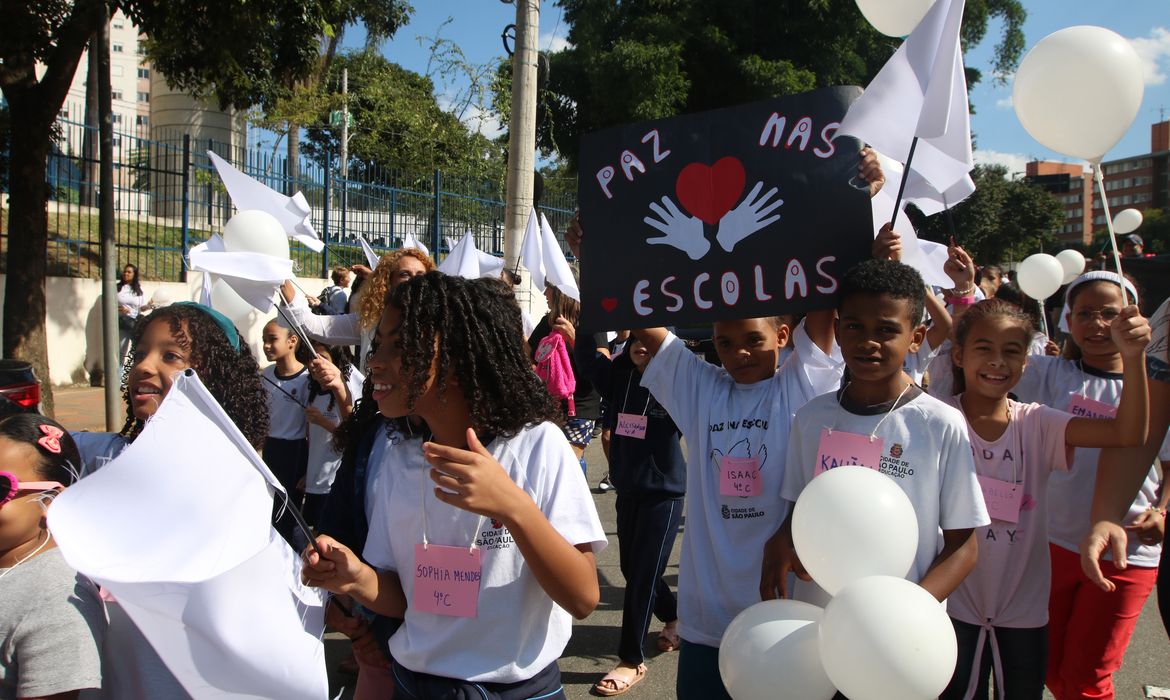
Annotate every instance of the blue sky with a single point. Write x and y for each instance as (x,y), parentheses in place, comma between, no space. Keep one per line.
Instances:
(476,26)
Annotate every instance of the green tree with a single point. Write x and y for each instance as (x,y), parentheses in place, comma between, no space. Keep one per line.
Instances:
(238,52)
(1155,232)
(1003,220)
(400,130)
(648,59)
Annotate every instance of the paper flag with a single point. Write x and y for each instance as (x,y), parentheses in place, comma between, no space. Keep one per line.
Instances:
(293,213)
(465,260)
(254,276)
(178,529)
(371,256)
(411,241)
(918,254)
(541,254)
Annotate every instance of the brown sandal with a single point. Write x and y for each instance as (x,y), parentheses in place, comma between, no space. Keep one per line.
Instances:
(618,684)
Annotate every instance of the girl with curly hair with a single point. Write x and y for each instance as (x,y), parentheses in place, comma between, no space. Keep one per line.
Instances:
(176,337)
(357,328)
(495,496)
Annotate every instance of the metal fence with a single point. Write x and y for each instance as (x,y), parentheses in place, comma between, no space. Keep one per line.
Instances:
(168,198)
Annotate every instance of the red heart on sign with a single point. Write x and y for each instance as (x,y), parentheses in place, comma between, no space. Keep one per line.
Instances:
(609,304)
(709,192)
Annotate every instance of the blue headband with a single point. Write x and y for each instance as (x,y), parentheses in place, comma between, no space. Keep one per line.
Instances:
(224,323)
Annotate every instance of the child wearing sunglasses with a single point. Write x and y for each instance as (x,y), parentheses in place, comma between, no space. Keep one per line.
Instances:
(51,619)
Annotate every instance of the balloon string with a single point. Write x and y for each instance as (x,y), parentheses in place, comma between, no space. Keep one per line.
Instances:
(902,186)
(1112,233)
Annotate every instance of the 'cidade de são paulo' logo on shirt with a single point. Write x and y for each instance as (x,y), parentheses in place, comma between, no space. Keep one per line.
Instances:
(494,537)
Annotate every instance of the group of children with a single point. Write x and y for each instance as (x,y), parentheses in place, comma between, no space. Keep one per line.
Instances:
(448,462)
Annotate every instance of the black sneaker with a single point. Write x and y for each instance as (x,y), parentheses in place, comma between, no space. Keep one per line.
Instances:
(605,484)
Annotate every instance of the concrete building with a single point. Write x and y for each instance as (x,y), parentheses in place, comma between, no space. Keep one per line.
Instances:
(1139,182)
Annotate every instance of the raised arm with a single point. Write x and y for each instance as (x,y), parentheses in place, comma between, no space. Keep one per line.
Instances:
(1131,334)
(333,330)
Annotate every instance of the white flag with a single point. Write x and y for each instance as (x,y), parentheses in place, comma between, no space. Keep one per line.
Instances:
(253,276)
(293,213)
(556,268)
(371,256)
(466,260)
(918,254)
(412,241)
(178,528)
(921,91)
(532,251)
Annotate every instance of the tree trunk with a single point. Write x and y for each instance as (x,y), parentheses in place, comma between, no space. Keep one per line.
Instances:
(24,286)
(294,158)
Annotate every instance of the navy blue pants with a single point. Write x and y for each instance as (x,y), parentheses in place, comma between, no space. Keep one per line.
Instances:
(1023,654)
(698,673)
(288,460)
(646,528)
(409,685)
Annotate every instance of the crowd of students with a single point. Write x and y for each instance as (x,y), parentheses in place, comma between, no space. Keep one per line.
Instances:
(439,446)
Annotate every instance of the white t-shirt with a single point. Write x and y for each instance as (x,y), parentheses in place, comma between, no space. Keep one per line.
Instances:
(723,542)
(1053,381)
(917,363)
(925,450)
(518,630)
(286,403)
(323,459)
(131,300)
(1009,585)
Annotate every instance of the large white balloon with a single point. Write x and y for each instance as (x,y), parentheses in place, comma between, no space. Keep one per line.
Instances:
(225,300)
(1078,90)
(852,522)
(771,651)
(885,638)
(1073,264)
(1040,275)
(1126,221)
(894,17)
(255,231)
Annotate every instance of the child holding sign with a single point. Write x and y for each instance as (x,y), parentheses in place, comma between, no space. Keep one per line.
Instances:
(485,547)
(1088,629)
(647,468)
(883,421)
(1000,611)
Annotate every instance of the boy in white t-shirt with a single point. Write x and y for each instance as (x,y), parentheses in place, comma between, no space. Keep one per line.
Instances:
(922,443)
(735,421)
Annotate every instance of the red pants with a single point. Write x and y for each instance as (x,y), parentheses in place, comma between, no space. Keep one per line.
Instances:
(1089,629)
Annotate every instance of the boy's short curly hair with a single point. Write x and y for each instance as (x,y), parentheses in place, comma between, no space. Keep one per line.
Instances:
(889,277)
(232,376)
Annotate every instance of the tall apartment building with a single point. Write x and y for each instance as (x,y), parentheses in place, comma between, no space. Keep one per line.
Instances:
(1139,182)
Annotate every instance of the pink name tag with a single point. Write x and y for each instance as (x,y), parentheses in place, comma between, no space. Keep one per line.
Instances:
(839,448)
(446,580)
(1084,407)
(1002,498)
(740,476)
(631,425)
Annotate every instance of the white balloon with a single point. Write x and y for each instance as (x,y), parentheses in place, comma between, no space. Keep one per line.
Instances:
(885,638)
(1127,221)
(770,651)
(1073,264)
(852,522)
(894,17)
(1040,275)
(255,231)
(225,300)
(1078,90)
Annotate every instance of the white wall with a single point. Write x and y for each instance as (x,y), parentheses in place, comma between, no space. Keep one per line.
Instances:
(74,321)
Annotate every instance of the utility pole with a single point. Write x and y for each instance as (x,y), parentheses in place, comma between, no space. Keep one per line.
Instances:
(344,145)
(522,128)
(111,355)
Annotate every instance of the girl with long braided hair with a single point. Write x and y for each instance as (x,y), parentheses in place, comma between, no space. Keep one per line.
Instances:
(490,525)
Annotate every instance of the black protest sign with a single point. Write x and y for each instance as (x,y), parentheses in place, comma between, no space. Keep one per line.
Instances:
(734,213)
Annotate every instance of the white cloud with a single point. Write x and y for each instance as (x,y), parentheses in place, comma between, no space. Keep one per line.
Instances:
(1004,102)
(1155,54)
(554,41)
(1014,161)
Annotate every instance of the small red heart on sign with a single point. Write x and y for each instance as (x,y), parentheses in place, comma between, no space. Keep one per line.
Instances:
(609,304)
(710,191)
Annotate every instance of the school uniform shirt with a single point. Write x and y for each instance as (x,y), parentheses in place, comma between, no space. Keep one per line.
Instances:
(917,363)
(723,543)
(323,459)
(1054,381)
(287,397)
(1009,585)
(925,450)
(518,630)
